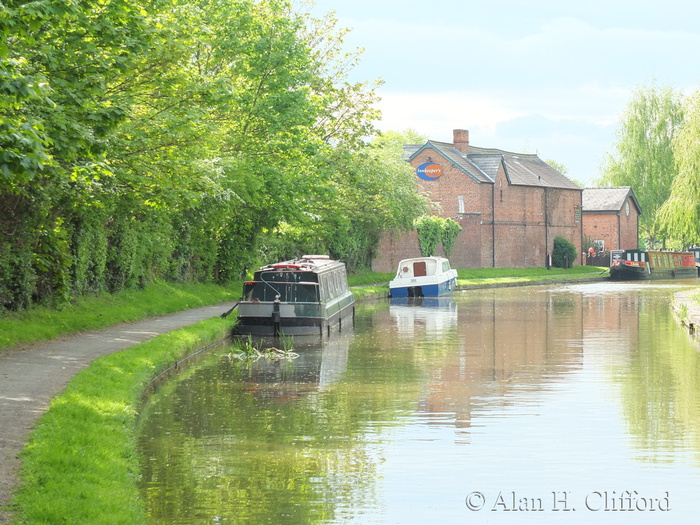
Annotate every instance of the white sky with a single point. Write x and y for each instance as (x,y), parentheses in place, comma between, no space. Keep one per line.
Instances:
(551,77)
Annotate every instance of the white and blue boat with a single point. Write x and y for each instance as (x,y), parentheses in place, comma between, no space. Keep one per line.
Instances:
(423,277)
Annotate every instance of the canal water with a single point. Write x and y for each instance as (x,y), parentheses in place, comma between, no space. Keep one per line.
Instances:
(561,404)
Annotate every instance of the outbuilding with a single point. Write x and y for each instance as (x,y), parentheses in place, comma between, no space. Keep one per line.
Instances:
(611,218)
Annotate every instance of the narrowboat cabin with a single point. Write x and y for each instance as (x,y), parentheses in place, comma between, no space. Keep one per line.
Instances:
(639,265)
(423,277)
(299,297)
(696,253)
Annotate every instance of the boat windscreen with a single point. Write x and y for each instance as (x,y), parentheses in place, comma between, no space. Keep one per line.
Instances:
(288,292)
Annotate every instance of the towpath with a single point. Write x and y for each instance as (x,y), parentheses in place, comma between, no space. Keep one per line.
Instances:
(30,376)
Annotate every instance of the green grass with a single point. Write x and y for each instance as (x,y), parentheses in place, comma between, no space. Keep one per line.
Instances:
(480,276)
(81,464)
(373,283)
(89,313)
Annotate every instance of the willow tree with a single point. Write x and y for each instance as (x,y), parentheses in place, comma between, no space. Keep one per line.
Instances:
(680,214)
(644,158)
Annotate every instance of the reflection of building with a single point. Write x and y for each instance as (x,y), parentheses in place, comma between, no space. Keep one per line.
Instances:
(512,346)
(511,206)
(611,218)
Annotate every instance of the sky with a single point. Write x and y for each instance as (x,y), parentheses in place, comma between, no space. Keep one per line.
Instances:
(552,77)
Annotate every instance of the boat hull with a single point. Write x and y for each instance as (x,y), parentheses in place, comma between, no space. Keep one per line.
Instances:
(634,273)
(263,318)
(419,288)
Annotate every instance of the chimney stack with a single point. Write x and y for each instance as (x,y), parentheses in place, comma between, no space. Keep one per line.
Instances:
(461,140)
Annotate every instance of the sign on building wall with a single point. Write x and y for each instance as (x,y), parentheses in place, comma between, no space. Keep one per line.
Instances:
(429,171)
(577,214)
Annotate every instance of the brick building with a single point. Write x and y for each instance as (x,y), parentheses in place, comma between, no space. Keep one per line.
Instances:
(611,218)
(511,206)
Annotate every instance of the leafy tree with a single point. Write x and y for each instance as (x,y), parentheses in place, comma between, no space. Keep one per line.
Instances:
(644,158)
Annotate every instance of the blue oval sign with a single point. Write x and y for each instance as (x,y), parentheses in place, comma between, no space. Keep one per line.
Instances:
(429,171)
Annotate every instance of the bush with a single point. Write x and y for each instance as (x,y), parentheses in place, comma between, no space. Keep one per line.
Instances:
(564,253)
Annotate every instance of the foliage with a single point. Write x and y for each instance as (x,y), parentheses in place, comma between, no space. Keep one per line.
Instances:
(364,192)
(177,137)
(563,254)
(450,230)
(680,214)
(644,157)
(432,230)
(429,228)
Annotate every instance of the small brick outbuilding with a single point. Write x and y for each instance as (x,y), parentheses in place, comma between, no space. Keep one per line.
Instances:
(511,206)
(611,218)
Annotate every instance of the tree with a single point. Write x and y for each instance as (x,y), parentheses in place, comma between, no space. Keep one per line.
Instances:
(680,214)
(644,158)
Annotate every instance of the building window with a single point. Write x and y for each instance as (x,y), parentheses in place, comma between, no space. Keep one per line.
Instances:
(460,203)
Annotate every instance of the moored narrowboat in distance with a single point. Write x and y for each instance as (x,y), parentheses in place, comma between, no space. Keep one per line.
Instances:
(641,265)
(423,277)
(303,296)
(696,253)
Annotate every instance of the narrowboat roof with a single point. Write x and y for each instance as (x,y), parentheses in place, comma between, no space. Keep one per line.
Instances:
(308,263)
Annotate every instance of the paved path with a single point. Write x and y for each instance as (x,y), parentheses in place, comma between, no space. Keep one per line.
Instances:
(32,375)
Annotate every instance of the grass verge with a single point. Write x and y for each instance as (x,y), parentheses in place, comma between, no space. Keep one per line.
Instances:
(377,284)
(480,276)
(94,312)
(80,465)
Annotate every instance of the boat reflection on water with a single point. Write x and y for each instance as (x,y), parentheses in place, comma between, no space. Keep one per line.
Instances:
(435,314)
(319,363)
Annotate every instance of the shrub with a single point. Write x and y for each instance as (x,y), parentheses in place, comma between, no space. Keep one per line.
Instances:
(564,253)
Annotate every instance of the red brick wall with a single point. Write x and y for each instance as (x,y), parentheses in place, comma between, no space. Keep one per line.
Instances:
(619,231)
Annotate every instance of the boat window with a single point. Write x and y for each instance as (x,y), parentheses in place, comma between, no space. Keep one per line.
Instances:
(445,266)
(287,277)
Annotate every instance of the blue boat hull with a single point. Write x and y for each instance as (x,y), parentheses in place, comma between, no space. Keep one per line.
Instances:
(427,290)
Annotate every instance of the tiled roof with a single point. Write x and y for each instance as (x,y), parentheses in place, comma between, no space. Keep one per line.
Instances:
(482,164)
(607,199)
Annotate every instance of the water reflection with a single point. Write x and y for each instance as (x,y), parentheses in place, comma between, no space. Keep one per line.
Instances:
(532,394)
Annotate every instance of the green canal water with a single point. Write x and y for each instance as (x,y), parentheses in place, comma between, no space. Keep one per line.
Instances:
(564,404)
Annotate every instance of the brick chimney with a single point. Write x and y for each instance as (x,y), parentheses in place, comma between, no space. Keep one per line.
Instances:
(461,140)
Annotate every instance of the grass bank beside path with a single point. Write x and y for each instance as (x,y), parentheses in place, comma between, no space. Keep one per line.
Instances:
(81,464)
(95,312)
(377,284)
